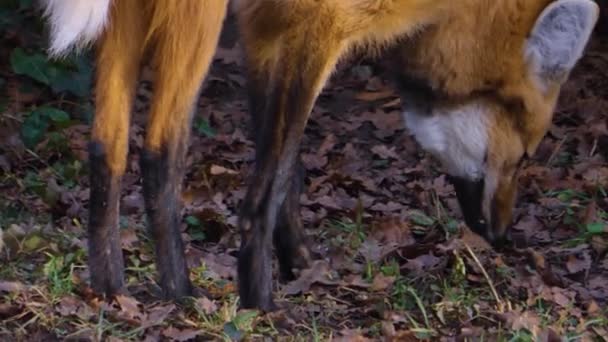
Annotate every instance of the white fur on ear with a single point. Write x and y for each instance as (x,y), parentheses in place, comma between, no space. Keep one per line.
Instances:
(559,37)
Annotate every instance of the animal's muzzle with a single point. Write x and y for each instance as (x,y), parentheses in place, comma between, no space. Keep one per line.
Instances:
(470,198)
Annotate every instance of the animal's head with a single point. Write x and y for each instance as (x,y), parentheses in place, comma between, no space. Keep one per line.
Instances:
(479,90)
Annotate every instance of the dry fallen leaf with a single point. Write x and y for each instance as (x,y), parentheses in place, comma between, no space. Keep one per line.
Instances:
(157,315)
(68,305)
(577,264)
(128,239)
(393,231)
(375,95)
(129,307)
(220,170)
(220,265)
(385,152)
(515,320)
(382,282)
(313,161)
(422,263)
(348,335)
(11,286)
(473,240)
(181,334)
(317,273)
(205,305)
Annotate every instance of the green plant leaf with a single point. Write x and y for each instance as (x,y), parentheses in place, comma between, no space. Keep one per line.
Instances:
(244,320)
(195,230)
(33,66)
(37,123)
(24,4)
(232,331)
(74,76)
(452,226)
(56,115)
(193,221)
(33,129)
(202,127)
(33,242)
(596,228)
(197,235)
(422,219)
(9,17)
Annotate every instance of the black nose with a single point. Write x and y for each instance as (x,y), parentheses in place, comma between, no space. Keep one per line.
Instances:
(470,198)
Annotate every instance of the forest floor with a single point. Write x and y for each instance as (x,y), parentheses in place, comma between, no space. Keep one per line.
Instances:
(395,261)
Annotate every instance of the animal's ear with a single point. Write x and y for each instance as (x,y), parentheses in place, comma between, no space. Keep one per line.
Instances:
(558,39)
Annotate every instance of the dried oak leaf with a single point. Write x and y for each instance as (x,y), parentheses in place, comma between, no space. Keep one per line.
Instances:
(129,308)
(374,95)
(385,152)
(206,305)
(559,296)
(387,207)
(515,320)
(576,264)
(220,170)
(68,305)
(473,240)
(133,203)
(349,335)
(181,334)
(222,265)
(128,238)
(313,161)
(393,231)
(423,262)
(317,273)
(11,286)
(382,282)
(157,315)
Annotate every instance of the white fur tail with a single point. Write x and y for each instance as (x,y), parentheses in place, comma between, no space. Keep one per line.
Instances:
(75,23)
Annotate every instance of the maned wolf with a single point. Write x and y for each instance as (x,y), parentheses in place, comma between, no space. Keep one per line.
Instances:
(479,80)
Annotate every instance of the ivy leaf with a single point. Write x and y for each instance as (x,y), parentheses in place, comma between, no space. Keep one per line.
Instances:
(74,77)
(195,228)
(5,17)
(421,219)
(596,228)
(193,221)
(202,127)
(33,66)
(25,4)
(56,115)
(33,129)
(231,330)
(37,123)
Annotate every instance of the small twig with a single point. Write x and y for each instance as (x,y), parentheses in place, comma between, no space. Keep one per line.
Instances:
(480,316)
(556,150)
(63,101)
(10,116)
(499,303)
(336,299)
(593,148)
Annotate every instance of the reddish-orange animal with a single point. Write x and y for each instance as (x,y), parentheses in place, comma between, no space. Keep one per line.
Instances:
(479,80)
(181,37)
